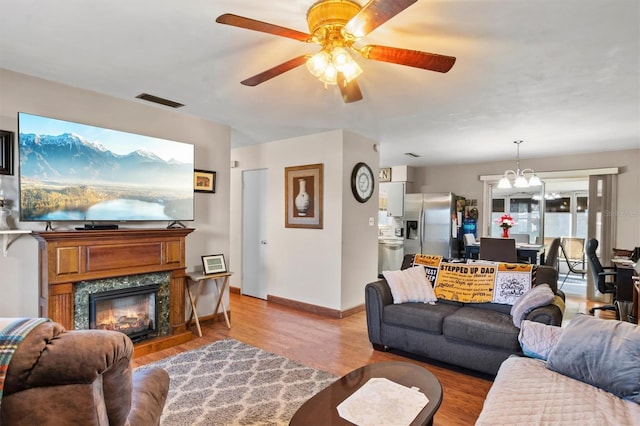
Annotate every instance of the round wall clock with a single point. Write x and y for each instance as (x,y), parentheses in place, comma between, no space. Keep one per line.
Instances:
(362,182)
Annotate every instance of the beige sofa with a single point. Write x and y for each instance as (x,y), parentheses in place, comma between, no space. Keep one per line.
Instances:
(590,378)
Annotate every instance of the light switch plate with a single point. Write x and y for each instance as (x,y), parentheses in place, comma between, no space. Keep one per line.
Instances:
(372,221)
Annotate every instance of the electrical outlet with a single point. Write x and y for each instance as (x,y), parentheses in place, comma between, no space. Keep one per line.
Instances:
(372,221)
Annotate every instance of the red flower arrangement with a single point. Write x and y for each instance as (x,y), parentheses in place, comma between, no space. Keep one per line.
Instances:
(505,221)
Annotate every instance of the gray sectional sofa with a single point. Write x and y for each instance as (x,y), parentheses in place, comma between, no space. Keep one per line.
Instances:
(475,336)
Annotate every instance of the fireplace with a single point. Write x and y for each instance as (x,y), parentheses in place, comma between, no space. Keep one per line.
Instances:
(132,311)
(75,264)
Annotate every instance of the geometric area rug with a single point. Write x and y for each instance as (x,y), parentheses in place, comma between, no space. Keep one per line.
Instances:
(232,383)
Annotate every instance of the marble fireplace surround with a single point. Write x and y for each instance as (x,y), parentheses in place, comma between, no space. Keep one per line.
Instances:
(83,289)
(69,259)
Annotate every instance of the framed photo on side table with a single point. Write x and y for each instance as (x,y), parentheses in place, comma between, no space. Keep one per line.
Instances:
(213,264)
(204,181)
(303,196)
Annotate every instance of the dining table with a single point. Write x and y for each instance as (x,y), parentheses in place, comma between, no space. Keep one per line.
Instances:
(533,252)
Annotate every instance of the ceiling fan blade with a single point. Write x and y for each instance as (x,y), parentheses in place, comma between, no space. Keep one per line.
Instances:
(350,91)
(275,71)
(411,58)
(374,14)
(252,24)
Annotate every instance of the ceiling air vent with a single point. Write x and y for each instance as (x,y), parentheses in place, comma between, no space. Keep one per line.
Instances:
(411,154)
(157,100)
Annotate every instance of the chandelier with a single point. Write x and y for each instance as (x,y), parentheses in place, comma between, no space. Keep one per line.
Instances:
(521,178)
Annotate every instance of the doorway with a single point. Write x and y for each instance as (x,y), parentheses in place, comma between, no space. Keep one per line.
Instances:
(558,209)
(254,233)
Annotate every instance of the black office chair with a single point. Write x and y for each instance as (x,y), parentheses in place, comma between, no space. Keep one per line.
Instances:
(498,250)
(603,276)
(551,256)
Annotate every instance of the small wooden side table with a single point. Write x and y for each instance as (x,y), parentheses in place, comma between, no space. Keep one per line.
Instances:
(221,281)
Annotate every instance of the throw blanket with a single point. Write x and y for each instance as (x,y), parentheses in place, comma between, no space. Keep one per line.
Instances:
(12,332)
(477,282)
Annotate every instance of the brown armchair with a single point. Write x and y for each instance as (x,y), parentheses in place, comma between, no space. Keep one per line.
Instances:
(81,377)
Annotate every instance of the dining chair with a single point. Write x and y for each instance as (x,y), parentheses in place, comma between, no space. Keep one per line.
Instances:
(498,249)
(572,266)
(574,250)
(520,238)
(551,250)
(572,253)
(469,239)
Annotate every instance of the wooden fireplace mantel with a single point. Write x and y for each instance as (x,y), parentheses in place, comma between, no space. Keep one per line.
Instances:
(67,257)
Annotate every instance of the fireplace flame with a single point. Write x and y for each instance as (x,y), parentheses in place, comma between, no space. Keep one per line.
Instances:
(127,319)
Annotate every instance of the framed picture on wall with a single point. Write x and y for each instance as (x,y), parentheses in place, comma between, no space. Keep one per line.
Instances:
(204,181)
(214,264)
(303,196)
(6,152)
(384,174)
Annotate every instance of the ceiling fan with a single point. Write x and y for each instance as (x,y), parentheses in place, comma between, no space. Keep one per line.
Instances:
(336,25)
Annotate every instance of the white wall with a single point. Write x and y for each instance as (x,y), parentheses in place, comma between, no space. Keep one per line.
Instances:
(19,270)
(325,267)
(359,239)
(463,179)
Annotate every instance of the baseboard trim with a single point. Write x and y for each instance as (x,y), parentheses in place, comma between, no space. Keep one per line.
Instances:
(315,309)
(210,319)
(307,307)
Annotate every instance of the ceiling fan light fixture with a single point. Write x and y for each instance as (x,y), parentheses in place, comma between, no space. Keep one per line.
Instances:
(317,63)
(340,57)
(330,13)
(337,25)
(345,64)
(329,75)
(326,64)
(351,71)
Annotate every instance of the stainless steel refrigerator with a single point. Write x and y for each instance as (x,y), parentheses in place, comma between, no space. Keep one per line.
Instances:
(430,224)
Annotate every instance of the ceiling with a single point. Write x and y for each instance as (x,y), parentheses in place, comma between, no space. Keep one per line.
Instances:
(562,75)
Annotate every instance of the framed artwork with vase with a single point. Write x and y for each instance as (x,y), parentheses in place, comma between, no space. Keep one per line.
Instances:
(303,196)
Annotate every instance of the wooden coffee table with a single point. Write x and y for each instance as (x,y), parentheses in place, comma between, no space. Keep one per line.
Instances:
(321,408)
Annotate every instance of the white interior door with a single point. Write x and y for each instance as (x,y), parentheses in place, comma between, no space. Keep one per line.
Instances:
(254,233)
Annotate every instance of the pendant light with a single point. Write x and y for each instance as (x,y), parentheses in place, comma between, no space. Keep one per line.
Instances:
(521,178)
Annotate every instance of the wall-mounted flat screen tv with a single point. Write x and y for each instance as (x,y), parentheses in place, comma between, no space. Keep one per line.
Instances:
(77,172)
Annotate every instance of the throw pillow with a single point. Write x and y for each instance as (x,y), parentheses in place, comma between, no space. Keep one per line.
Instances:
(537,339)
(602,353)
(539,295)
(410,285)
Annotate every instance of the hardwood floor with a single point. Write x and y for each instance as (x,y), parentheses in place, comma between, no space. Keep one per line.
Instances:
(580,304)
(338,346)
(333,345)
